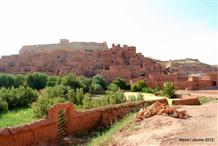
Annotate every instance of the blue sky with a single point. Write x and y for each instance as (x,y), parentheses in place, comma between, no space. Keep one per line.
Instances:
(161,29)
(199,10)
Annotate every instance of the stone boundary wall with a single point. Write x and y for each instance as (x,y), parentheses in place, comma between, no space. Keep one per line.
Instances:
(77,121)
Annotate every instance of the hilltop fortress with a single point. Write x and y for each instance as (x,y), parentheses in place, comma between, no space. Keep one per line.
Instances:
(91,58)
(83,58)
(63,45)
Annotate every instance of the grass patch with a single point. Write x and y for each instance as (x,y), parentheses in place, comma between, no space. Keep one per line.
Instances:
(100,138)
(146,96)
(204,99)
(16,117)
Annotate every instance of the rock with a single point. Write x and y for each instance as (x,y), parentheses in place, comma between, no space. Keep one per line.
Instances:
(158,108)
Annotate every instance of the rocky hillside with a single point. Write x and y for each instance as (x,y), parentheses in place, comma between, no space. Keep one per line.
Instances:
(187,66)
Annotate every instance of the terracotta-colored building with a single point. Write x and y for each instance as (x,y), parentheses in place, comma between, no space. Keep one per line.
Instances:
(82,58)
(201,81)
(91,58)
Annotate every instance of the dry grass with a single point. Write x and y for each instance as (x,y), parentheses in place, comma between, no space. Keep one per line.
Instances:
(146,96)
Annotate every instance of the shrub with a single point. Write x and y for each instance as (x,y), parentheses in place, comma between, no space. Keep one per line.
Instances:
(85,83)
(96,87)
(18,97)
(147,90)
(138,86)
(43,104)
(71,80)
(139,97)
(9,95)
(136,98)
(53,81)
(168,90)
(89,103)
(36,80)
(121,83)
(19,80)
(79,96)
(113,87)
(3,105)
(132,98)
(6,80)
(115,97)
(57,91)
(26,96)
(76,96)
(98,83)
(157,90)
(71,94)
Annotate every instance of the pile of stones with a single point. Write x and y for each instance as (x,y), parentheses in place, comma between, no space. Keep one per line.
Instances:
(158,108)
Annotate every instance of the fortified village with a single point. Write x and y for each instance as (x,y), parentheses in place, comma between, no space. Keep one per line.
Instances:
(91,58)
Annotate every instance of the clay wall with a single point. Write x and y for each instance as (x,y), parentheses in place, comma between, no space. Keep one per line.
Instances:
(210,76)
(109,75)
(193,78)
(77,121)
(180,82)
(162,77)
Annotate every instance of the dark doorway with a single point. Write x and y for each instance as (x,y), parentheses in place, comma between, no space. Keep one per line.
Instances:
(214,83)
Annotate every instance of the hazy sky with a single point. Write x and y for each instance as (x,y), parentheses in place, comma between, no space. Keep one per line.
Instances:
(161,29)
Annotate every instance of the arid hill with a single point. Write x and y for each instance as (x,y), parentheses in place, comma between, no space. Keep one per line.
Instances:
(187,66)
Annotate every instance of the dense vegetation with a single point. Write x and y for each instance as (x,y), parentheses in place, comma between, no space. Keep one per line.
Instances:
(168,89)
(41,91)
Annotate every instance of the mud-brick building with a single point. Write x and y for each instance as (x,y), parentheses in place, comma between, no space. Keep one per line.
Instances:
(82,58)
(199,81)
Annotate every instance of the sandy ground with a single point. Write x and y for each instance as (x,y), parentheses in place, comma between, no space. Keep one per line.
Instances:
(199,129)
(207,93)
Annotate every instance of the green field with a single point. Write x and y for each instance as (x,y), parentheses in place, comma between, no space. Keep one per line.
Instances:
(17,117)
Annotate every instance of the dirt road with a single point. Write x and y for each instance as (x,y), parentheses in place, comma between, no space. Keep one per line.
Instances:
(199,129)
(206,93)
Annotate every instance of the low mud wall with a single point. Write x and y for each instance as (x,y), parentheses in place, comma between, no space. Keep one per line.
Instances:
(77,121)
(186,100)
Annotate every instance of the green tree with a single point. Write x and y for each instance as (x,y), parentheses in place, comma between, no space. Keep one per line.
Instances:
(6,80)
(121,83)
(25,96)
(113,87)
(53,81)
(85,83)
(43,104)
(76,96)
(57,91)
(9,95)
(19,80)
(3,105)
(98,83)
(18,97)
(36,80)
(115,97)
(79,96)
(138,86)
(71,80)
